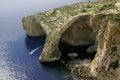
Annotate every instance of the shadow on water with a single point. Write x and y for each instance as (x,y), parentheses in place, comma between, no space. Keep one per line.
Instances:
(80,50)
(15,63)
(34,42)
(56,67)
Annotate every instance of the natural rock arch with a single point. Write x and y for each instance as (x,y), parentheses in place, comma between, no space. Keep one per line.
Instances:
(104,23)
(66,33)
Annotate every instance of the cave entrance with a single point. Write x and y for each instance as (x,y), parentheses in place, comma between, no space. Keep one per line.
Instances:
(74,52)
(76,39)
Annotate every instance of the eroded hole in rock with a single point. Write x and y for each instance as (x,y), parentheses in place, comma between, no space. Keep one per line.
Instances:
(70,52)
(76,40)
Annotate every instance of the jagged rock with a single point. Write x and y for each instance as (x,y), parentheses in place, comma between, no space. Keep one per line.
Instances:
(106,61)
(106,64)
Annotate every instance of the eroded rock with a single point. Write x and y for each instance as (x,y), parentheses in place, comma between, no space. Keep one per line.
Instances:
(82,24)
(72,24)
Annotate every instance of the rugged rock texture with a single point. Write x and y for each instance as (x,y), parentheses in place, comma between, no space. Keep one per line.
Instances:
(106,64)
(95,23)
(76,24)
(108,52)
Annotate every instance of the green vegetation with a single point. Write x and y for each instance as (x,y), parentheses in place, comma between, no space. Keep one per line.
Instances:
(116,19)
(88,5)
(108,6)
(114,65)
(83,10)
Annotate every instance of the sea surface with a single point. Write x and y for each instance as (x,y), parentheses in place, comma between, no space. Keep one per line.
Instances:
(15,61)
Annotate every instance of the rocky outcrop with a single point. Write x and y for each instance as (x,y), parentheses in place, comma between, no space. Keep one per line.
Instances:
(105,65)
(106,61)
(95,23)
(76,24)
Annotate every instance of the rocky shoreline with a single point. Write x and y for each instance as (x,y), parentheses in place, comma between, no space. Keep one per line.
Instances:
(96,24)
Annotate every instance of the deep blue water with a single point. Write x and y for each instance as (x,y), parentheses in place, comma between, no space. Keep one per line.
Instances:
(15,63)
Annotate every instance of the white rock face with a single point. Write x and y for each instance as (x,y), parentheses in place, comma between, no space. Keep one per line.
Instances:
(117,4)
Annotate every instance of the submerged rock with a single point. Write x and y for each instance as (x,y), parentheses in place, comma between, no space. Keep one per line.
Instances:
(72,55)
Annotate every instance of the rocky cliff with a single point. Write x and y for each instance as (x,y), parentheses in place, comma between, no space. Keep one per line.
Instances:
(76,24)
(106,63)
(95,23)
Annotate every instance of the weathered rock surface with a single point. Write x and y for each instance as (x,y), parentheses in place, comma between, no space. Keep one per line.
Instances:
(95,23)
(76,24)
(106,64)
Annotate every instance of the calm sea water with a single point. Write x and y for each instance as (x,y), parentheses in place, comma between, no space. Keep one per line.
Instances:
(15,63)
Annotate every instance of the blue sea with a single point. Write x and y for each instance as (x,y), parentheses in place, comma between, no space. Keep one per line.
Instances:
(15,61)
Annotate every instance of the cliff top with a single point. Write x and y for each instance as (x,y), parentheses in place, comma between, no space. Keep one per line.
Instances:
(48,19)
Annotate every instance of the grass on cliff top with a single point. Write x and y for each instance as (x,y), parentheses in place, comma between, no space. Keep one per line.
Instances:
(89,7)
(59,15)
(103,6)
(85,7)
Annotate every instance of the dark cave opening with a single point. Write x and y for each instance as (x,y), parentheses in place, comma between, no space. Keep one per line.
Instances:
(80,50)
(75,39)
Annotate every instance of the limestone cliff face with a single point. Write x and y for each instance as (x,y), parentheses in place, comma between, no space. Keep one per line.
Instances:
(106,64)
(106,61)
(76,24)
(95,23)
